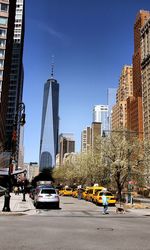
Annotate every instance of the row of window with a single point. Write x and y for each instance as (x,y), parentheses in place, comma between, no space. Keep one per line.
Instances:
(10,110)
(13,87)
(19,16)
(17,31)
(19,1)
(17,25)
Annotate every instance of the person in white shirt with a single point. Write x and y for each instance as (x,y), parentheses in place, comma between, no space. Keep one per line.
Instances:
(105,203)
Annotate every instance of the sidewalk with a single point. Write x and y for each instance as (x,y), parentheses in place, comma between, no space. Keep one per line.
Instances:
(17,206)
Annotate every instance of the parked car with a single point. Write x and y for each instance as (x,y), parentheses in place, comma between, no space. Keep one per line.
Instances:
(45,195)
(75,193)
(84,194)
(66,192)
(109,195)
(92,191)
(2,190)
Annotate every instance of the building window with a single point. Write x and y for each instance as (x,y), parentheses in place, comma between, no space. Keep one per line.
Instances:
(19,16)
(2,32)
(4,7)
(1,73)
(1,63)
(3,21)
(2,53)
(20,2)
(2,43)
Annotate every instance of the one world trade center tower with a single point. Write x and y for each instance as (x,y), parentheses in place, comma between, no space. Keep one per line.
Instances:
(50,124)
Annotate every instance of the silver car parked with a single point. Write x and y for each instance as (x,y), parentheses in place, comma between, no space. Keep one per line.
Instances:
(45,195)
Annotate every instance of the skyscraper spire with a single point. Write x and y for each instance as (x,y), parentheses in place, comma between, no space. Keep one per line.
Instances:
(52,67)
(49,124)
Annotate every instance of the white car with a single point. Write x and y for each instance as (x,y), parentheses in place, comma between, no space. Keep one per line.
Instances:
(45,195)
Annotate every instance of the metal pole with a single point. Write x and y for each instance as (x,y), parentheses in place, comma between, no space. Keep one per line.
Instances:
(129,178)
(24,187)
(7,196)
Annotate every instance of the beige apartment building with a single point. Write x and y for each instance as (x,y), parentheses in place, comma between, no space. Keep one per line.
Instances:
(86,140)
(66,145)
(32,170)
(145,65)
(125,89)
(89,135)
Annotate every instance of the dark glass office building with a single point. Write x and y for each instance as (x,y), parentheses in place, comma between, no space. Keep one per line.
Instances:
(50,125)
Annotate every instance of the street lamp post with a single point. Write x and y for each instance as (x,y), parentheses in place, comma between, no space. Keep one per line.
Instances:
(19,121)
(24,187)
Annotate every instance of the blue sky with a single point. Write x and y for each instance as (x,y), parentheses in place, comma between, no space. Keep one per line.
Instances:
(91,41)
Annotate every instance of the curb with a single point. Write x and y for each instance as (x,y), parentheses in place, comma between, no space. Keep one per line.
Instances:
(11,214)
(26,212)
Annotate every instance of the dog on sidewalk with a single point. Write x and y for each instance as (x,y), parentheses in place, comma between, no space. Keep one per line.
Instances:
(120,210)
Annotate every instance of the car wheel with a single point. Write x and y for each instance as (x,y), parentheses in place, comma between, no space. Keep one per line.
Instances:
(36,205)
(57,206)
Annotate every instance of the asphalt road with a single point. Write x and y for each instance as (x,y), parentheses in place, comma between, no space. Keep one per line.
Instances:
(77,225)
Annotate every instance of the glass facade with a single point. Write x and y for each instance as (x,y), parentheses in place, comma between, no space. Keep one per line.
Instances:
(100,114)
(50,125)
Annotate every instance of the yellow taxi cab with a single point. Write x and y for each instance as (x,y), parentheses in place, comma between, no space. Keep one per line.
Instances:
(84,193)
(95,195)
(109,195)
(66,191)
(92,191)
(75,193)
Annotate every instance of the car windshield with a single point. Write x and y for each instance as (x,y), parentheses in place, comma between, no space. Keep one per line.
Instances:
(68,189)
(48,191)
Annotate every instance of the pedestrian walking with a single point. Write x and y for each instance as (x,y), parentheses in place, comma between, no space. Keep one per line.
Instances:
(105,203)
(79,193)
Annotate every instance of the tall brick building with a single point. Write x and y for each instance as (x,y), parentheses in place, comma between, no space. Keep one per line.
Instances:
(145,65)
(134,104)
